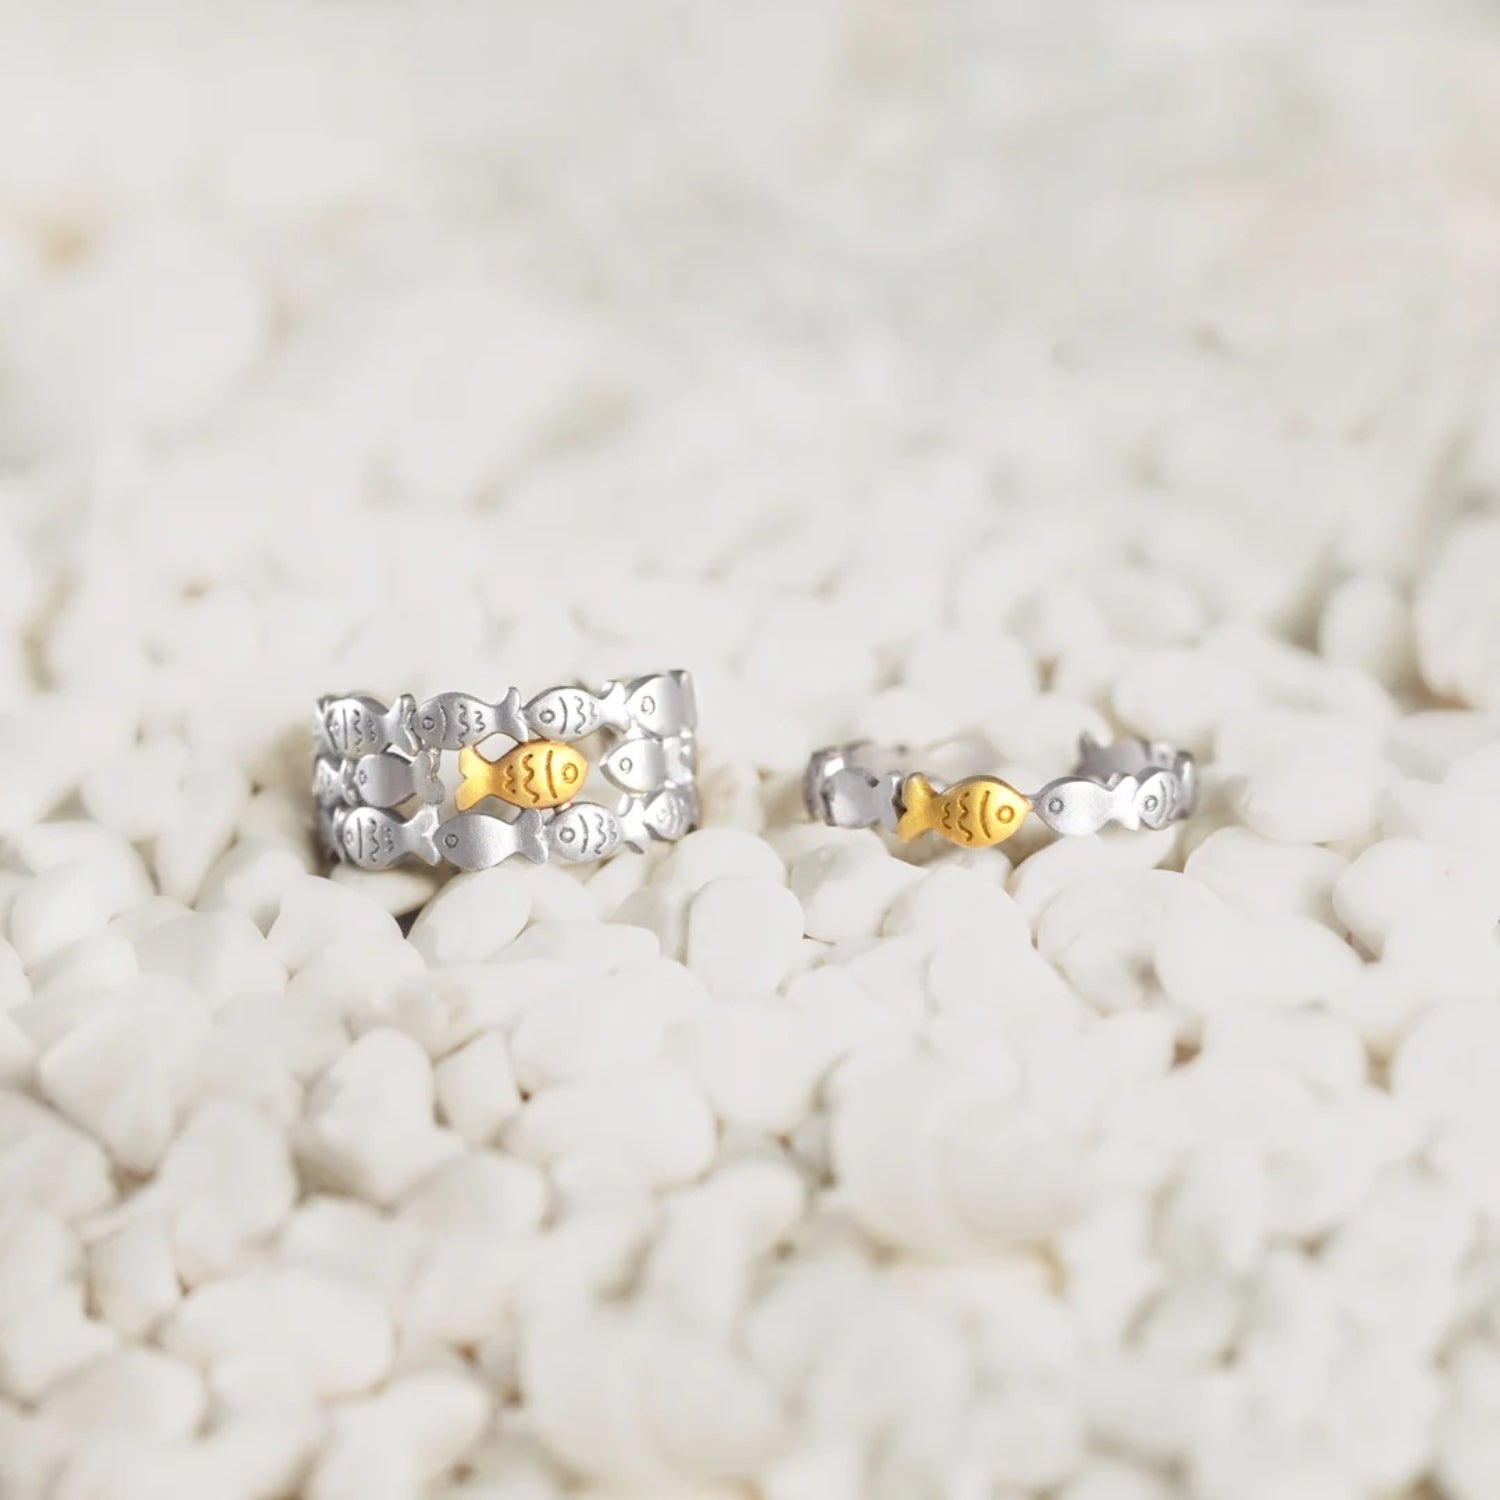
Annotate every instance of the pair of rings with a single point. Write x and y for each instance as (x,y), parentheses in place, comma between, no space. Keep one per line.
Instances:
(382,793)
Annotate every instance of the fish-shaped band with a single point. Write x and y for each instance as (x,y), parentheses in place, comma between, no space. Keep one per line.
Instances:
(382,776)
(1131,783)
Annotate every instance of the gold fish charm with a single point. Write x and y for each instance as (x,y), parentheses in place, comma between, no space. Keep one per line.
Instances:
(972,814)
(537,773)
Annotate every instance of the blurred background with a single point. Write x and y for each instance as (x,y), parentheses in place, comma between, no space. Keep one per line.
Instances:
(914,368)
(333,336)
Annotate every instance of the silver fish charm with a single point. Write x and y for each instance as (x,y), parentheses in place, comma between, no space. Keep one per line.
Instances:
(356,725)
(856,799)
(643,765)
(1076,805)
(568,713)
(452,721)
(662,705)
(375,839)
(333,781)
(389,779)
(666,816)
(585,831)
(478,841)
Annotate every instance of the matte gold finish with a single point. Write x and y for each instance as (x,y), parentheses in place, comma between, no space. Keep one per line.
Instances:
(537,773)
(973,814)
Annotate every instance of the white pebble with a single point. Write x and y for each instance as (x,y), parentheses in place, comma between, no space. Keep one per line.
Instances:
(137,791)
(602,947)
(1303,777)
(759,1063)
(253,878)
(60,907)
(480,1190)
(744,934)
(15,987)
(120,1072)
(1179,695)
(1457,615)
(214,795)
(1367,625)
(226,1182)
(48,1162)
(1446,1067)
(652,1119)
(133,1275)
(220,955)
(133,1393)
(369,1126)
(1263,878)
(847,891)
(472,918)
(1101,933)
(476,1087)
(1389,880)
(604,1024)
(334,1334)
(445,1008)
(711,853)
(391,1446)
(48,1339)
(949,899)
(1217,959)
(316,913)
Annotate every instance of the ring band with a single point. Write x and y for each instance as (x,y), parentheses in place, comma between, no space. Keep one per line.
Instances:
(1133,783)
(380,793)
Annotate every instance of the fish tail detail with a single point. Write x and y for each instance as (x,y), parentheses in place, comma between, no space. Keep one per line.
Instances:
(426,781)
(509,718)
(399,728)
(918,797)
(612,709)
(421,832)
(475,786)
(531,836)
(1124,811)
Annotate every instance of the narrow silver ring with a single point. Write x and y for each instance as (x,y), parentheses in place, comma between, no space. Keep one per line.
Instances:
(1132,783)
(382,797)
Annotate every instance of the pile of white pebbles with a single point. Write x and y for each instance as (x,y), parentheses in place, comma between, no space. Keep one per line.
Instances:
(968,373)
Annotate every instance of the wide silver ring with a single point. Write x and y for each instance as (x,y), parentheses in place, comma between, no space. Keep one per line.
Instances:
(383,793)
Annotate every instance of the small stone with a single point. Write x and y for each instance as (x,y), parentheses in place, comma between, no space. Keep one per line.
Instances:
(1261,877)
(47,1340)
(602,1025)
(334,1334)
(315,913)
(1304,778)
(120,1072)
(652,1119)
(744,934)
(712,854)
(847,891)
(369,1128)
(60,907)
(476,1087)
(134,1393)
(473,917)
(394,1444)
(220,955)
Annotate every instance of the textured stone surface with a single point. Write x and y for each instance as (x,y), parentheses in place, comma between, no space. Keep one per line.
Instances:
(984,373)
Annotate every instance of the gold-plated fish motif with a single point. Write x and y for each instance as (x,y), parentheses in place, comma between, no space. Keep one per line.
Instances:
(537,773)
(972,814)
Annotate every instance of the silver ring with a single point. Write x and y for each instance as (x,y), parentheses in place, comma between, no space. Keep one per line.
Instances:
(1132,783)
(382,797)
